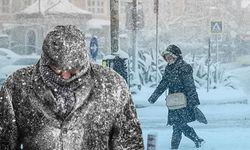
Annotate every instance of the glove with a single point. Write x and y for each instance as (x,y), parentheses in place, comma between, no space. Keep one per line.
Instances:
(151,101)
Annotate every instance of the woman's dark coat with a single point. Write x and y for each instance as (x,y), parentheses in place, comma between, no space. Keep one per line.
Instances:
(178,77)
(103,118)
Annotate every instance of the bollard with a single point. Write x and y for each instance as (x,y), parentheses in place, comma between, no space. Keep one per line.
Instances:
(151,142)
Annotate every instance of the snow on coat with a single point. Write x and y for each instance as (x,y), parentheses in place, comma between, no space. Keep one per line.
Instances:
(178,77)
(93,110)
(104,116)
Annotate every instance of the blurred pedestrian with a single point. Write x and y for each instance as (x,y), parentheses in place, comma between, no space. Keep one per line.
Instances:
(182,97)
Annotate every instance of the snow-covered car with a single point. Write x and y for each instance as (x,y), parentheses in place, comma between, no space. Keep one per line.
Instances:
(21,62)
(7,57)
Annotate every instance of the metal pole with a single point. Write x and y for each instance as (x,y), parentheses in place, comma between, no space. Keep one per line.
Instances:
(114,27)
(39,6)
(217,48)
(157,39)
(217,57)
(156,46)
(208,64)
(134,36)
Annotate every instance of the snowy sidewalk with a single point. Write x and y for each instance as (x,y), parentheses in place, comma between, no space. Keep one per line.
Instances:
(228,127)
(216,139)
(227,111)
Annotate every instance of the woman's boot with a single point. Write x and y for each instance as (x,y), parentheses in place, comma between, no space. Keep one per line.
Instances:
(191,134)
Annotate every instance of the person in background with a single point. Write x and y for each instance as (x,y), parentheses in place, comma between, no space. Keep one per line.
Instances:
(66,102)
(178,78)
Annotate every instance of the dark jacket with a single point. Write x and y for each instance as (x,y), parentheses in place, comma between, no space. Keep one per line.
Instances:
(103,118)
(178,77)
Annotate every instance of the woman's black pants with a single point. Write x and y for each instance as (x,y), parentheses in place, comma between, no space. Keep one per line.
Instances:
(178,129)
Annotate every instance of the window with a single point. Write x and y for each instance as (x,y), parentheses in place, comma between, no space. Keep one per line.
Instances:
(98,6)
(89,3)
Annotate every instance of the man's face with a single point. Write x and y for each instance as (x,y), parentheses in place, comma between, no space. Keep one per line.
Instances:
(65,74)
(169,58)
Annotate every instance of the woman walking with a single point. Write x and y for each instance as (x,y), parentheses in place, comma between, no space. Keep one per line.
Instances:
(182,96)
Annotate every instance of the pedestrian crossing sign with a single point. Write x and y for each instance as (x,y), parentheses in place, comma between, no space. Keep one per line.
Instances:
(216,26)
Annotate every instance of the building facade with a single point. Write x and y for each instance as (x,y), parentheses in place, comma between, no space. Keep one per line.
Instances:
(186,21)
(99,8)
(27,28)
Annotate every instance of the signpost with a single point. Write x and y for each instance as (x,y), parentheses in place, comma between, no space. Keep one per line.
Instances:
(216,28)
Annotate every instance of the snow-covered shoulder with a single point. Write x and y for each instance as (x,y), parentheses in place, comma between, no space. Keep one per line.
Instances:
(20,77)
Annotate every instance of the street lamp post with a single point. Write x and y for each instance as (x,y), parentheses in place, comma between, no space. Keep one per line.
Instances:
(134,35)
(114,27)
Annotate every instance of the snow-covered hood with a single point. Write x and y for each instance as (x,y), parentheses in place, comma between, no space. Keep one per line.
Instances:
(64,47)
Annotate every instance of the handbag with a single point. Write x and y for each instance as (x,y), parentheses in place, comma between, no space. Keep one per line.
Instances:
(176,101)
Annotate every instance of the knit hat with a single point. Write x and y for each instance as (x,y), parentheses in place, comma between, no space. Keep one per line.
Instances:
(172,49)
(64,47)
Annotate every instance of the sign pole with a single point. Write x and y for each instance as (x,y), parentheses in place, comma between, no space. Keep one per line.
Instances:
(208,64)
(134,36)
(156,10)
(217,55)
(217,48)
(216,28)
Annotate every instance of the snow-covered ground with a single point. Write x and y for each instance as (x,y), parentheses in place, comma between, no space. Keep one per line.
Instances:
(228,127)
(227,112)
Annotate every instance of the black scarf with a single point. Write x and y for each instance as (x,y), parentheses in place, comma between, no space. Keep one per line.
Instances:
(62,90)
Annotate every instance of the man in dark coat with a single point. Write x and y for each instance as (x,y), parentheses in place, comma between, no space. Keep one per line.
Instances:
(178,78)
(65,102)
